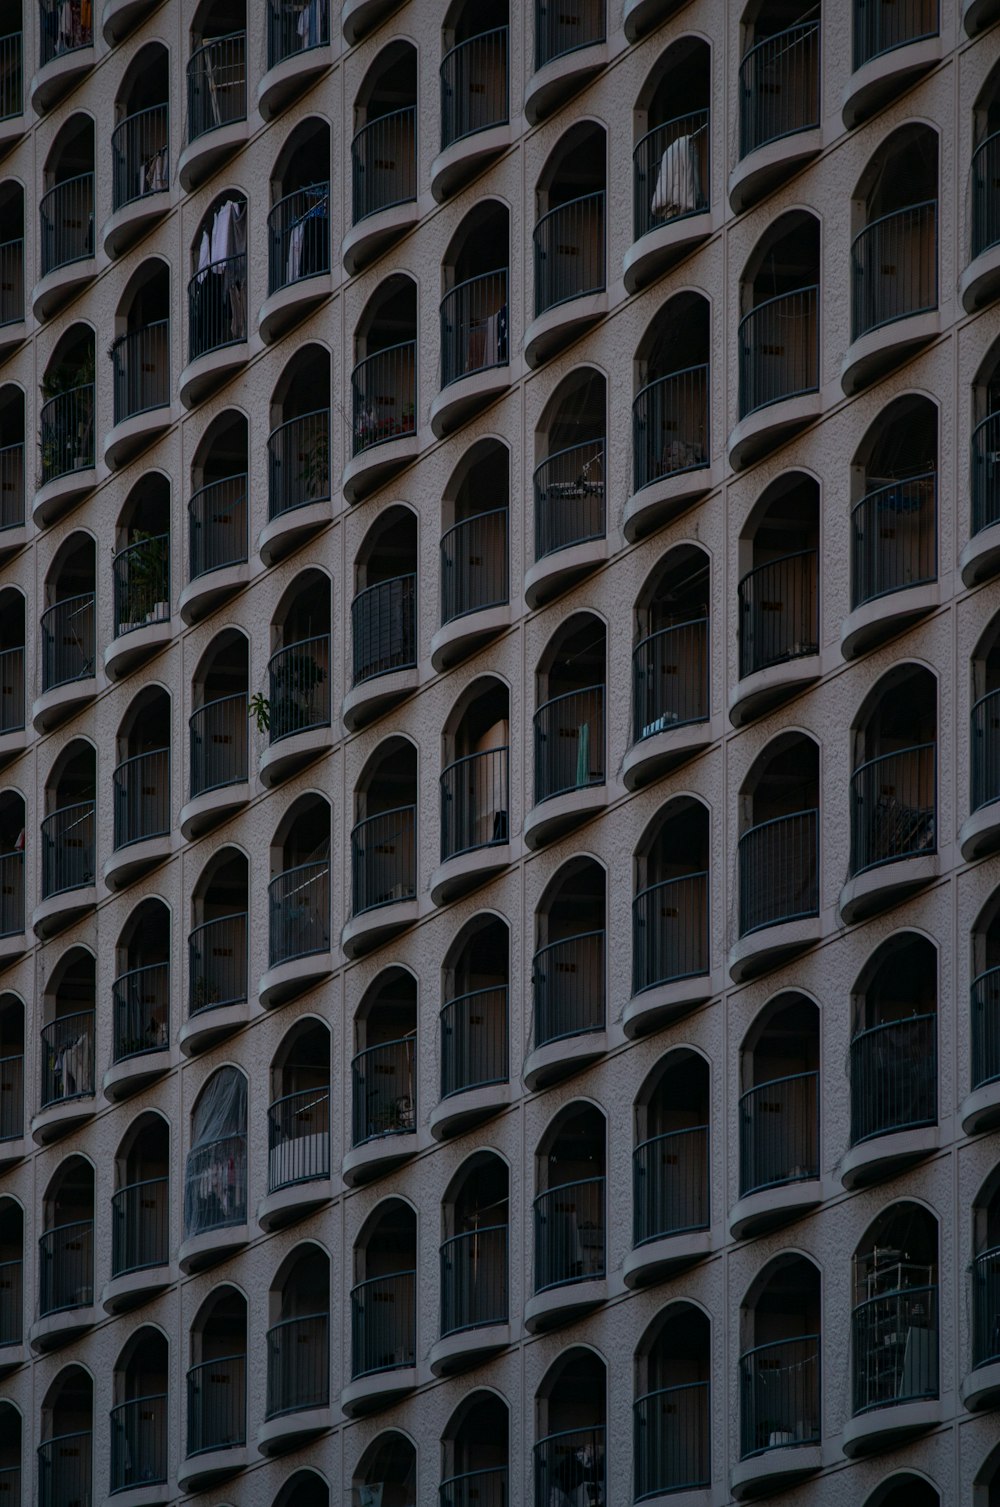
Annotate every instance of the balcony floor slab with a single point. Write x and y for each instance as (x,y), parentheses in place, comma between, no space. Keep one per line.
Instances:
(467,871)
(661,501)
(456,640)
(287,530)
(769,946)
(656,1260)
(369,1394)
(886,1428)
(376,1157)
(884,77)
(127,650)
(204,1029)
(774,1470)
(561,78)
(468,1347)
(662,247)
(198,1252)
(464,159)
(130,1289)
(769,1208)
(561,813)
(285,81)
(276,1436)
(658,1006)
(560,1305)
(761,691)
(287,980)
(883,1156)
(460,1111)
(561,1059)
(286,1205)
(122,1079)
(878,888)
(373,927)
(127,864)
(551,332)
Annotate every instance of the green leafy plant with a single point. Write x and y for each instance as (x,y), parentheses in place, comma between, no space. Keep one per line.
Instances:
(259,709)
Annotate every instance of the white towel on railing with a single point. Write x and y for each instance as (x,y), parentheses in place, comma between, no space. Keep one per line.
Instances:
(676,191)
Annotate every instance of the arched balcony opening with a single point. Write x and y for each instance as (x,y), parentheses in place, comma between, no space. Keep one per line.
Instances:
(11,1282)
(217,511)
(779,1155)
(882,28)
(218,724)
(670,663)
(12,685)
(298,672)
(65,1453)
(778,850)
(474,303)
(984,1288)
(778,591)
(384,149)
(217,290)
(140,351)
(306,1488)
(140,1205)
(298,1117)
(670,910)
(216,1378)
(216,69)
(217,944)
(670,412)
(66,208)
(299,891)
(12,836)
(569,234)
(475,548)
(66,1245)
(67,829)
(12,219)
(383,1072)
(298,226)
(383,841)
(68,1032)
(384,379)
(779,1368)
(893,801)
(298,446)
(984,201)
(140,994)
(558,33)
(475,792)
(984,1007)
(474,70)
(779,330)
(11,1072)
(906,1491)
(215,1172)
(140,141)
(569,735)
(570,1425)
(67,623)
(298,1339)
(779,80)
(66,417)
(474,1253)
(671,160)
(981,556)
(670,1160)
(389,1465)
(12,91)
(141,779)
(383,1298)
(474,1450)
(475,1013)
(141,565)
(569,1207)
(672,1408)
(139,1414)
(979,835)
(568,969)
(568,480)
(10,1417)
(12,514)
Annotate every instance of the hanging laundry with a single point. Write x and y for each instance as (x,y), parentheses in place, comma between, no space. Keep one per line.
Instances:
(678,186)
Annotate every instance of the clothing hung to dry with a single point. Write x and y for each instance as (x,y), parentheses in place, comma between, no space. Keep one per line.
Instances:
(678,183)
(219,308)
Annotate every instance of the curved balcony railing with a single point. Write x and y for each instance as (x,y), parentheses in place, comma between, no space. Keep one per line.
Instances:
(68,641)
(670,679)
(298,234)
(985,1006)
(11,486)
(670,173)
(140,156)
(215,1185)
(475,803)
(64,1469)
(64,26)
(298,463)
(140,1004)
(474,1279)
(559,30)
(384,859)
(68,849)
(569,252)
(298,679)
(384,163)
(11,1303)
(12,1097)
(139,1442)
(880,26)
(217,964)
(895,1348)
(778,864)
(779,1395)
(217,84)
(298,1138)
(474,86)
(670,1185)
(384,396)
(984,480)
(670,932)
(217,517)
(383,1324)
(474,565)
(894,268)
(672,1440)
(779,350)
(779,87)
(66,214)
(567,980)
(572,1454)
(893,1069)
(984,178)
(569,498)
(474,326)
(141,788)
(66,1267)
(383,1091)
(11,690)
(569,1234)
(474,1040)
(140,1226)
(298,1365)
(779,612)
(293,28)
(141,577)
(67,1058)
(141,360)
(985,1282)
(66,424)
(219,743)
(384,628)
(670,426)
(217,1404)
(984,741)
(11,269)
(476,1488)
(11,75)
(569,743)
(11,894)
(217,305)
(298,903)
(894,808)
(894,539)
(779,1133)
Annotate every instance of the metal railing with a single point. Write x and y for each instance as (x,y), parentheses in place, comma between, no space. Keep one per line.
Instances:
(568,989)
(778,612)
(383,1324)
(475,803)
(141,370)
(217,516)
(141,788)
(779,1395)
(298,905)
(215,1185)
(984,480)
(12,1097)
(985,185)
(779,1132)
(569,743)
(217,306)
(11,894)
(474,326)
(11,75)
(569,1234)
(384,396)
(569,252)
(474,1279)
(68,849)
(140,1226)
(670,426)
(572,1454)
(66,424)
(139,1442)
(66,218)
(475,93)
(778,864)
(672,1440)
(384,628)
(984,740)
(476,1488)
(384,163)
(298,1138)
(895,1348)
(11,1304)
(670,172)
(894,538)
(985,1006)
(670,679)
(474,1040)
(569,497)
(11,272)
(298,1365)
(384,859)
(66,1267)
(64,1470)
(217,84)
(293,28)
(217,1404)
(11,486)
(68,641)
(893,1072)
(383,1091)
(298,679)
(219,743)
(140,156)
(11,690)
(140,1008)
(67,1053)
(670,932)
(298,463)
(779,86)
(560,29)
(984,1276)
(298,235)
(141,577)
(64,26)
(217,964)
(474,565)
(894,268)
(882,25)
(894,807)
(670,1185)
(779,350)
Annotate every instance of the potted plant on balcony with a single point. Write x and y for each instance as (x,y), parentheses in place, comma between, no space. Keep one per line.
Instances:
(314,468)
(302,673)
(146,576)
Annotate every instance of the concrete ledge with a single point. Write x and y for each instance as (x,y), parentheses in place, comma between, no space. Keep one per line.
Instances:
(133,435)
(373,927)
(198,1471)
(209,1026)
(367,1394)
(455,640)
(127,650)
(12,947)
(977,14)
(290,305)
(53,707)
(559,1305)
(208,151)
(980,1109)
(134,1073)
(980,282)
(286,980)
(206,592)
(773,1470)
(883,618)
(14,1150)
(12,745)
(57,287)
(373,697)
(981,1388)
(58,77)
(466,396)
(461,161)
(874,354)
(654,756)
(550,819)
(758,693)
(876,889)
(16,332)
(767,428)
(58,495)
(871,87)
(655,1260)
(770,945)
(211,1247)
(11,132)
(467,871)
(58,911)
(762,170)
(119,16)
(640,16)
(660,248)
(127,225)
(285,1205)
(883,1428)
(288,755)
(882,1156)
(205,373)
(468,1347)
(205,811)
(653,506)
(358,17)
(377,1156)
(768,1208)
(151,1495)
(663,1003)
(372,235)
(276,1436)
(980,558)
(561,1059)
(132,1288)
(980,832)
(284,533)
(550,332)
(562,568)
(57,1119)
(127,864)
(12,540)
(367,471)
(461,1111)
(12,1357)
(548,87)
(290,78)
(57,1329)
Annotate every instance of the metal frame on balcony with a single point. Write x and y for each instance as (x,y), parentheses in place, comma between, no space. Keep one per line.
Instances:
(905,242)
(474,1056)
(64,1469)
(11,1306)
(141,360)
(894,539)
(11,895)
(217,312)
(569,252)
(11,75)
(384,392)
(474,1279)
(66,1267)
(66,222)
(298,902)
(216,1404)
(570,1234)
(384,1324)
(778,612)
(881,26)
(66,424)
(11,1098)
(670,1185)
(890,814)
(474,86)
(217,963)
(773,104)
(775,367)
(11,283)
(475,800)
(140,1226)
(780,1395)
(888,1371)
(68,849)
(576,717)
(670,429)
(219,739)
(578,1451)
(298,466)
(12,515)
(298,1139)
(558,32)
(298,237)
(216,85)
(384,163)
(293,29)
(893,1074)
(671,1440)
(299,687)
(139,1443)
(778,863)
(670,932)
(140,156)
(474,565)
(298,1365)
(383,1091)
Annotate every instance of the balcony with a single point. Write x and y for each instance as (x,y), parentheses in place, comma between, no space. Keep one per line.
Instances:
(298,904)
(779,112)
(893,561)
(474,1060)
(139,1449)
(980,1110)
(778,876)
(569,764)
(298,51)
(140,1244)
(780,1427)
(298,484)
(67,453)
(981,1385)
(298,1157)
(66,228)
(65,1285)
(893,816)
(217,982)
(475,586)
(12,122)
(140,177)
(216,1422)
(66,50)
(671,208)
(298,679)
(64,1469)
(12,322)
(384,1115)
(384,636)
(980,281)
(141,360)
(780,1175)
(140,1007)
(893,45)
(142,817)
(215,1202)
(217,546)
(671,454)
(670,701)
(474,1310)
(475,823)
(383,1343)
(384,394)
(894,1343)
(570,1263)
(66,1096)
(141,579)
(670,953)
(360,17)
(570,47)
(893,312)
(557,1454)
(219,770)
(383,186)
(568,987)
(979,832)
(68,669)
(474,349)
(217,327)
(778,634)
(13,940)
(12,729)
(570,521)
(13,534)
(68,868)
(978,14)
(12,1143)
(11,1318)
(120,16)
(671,1205)
(981,556)
(298,256)
(475,109)
(778,373)
(216,107)
(298,1383)
(570,277)
(894,1110)
(672,1435)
